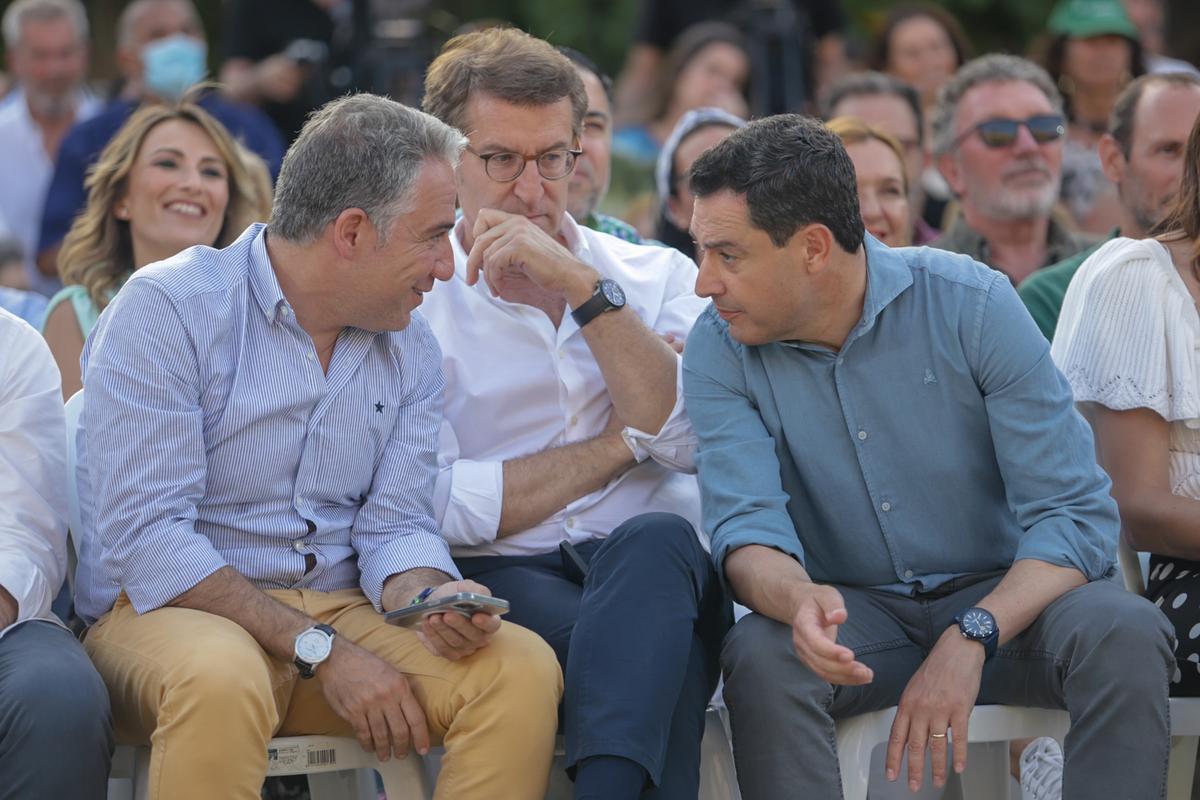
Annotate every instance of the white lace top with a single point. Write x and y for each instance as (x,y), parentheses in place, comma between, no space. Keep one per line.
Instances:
(1127,338)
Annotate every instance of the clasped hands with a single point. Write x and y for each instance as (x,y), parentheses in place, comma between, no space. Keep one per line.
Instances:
(937,700)
(510,245)
(375,697)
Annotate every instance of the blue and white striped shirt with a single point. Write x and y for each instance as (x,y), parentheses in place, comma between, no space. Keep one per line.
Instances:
(212,436)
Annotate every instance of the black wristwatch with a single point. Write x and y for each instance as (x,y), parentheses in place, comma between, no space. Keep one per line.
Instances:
(312,647)
(979,625)
(609,296)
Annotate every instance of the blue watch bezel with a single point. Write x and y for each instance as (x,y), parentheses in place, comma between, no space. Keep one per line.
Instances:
(989,641)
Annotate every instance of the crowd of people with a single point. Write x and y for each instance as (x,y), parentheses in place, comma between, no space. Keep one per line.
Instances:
(846,394)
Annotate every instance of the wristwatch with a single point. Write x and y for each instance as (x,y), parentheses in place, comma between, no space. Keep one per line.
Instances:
(979,625)
(608,296)
(312,647)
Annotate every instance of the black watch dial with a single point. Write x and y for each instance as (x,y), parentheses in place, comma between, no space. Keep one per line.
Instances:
(613,293)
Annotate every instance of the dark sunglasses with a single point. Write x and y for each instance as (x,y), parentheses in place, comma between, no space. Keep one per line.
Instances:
(1001,132)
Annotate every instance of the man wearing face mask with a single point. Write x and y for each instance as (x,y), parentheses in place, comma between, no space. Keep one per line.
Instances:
(161,54)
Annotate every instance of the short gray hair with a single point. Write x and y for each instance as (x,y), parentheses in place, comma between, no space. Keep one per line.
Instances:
(993,68)
(23,11)
(360,151)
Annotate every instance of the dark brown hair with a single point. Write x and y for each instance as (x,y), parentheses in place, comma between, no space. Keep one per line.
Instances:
(507,64)
(880,51)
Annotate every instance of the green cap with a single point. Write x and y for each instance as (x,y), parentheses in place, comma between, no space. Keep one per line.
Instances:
(1080,19)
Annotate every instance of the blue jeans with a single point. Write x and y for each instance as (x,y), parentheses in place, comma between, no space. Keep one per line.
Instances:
(638,642)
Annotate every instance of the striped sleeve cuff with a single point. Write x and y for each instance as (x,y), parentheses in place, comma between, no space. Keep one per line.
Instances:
(411,551)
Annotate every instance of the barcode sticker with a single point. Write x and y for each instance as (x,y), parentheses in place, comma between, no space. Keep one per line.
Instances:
(322,758)
(282,760)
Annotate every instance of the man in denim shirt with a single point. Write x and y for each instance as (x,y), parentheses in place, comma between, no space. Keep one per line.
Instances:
(897,484)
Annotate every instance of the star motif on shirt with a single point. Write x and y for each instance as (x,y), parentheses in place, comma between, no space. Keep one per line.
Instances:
(379,408)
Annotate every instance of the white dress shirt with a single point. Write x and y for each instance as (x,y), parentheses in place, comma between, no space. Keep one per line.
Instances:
(33,472)
(27,170)
(515,386)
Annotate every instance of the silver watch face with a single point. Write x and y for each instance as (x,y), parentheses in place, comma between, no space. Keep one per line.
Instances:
(313,646)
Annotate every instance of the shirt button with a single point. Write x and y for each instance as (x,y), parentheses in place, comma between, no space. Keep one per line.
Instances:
(570,522)
(311,355)
(862,435)
(574,420)
(285,311)
(299,545)
(886,506)
(562,353)
(908,573)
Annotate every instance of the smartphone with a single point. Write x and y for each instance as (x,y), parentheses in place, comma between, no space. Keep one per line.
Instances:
(466,603)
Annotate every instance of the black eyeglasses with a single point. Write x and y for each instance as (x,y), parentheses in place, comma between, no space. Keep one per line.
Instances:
(553,165)
(1001,132)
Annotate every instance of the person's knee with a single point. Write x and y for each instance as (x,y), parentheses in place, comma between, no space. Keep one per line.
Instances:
(656,538)
(523,669)
(758,659)
(56,701)
(1126,631)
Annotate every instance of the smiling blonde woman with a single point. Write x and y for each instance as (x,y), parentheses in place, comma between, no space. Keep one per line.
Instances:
(171,178)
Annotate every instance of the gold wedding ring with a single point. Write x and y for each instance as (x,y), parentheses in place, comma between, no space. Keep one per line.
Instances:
(937,736)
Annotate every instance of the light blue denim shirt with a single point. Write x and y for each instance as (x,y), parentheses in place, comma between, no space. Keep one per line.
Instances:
(939,441)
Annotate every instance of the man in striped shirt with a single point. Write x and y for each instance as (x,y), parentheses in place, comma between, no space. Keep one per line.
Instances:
(260,430)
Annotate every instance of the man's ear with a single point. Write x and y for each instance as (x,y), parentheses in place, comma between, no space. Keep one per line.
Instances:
(352,233)
(813,244)
(947,164)
(675,213)
(1112,160)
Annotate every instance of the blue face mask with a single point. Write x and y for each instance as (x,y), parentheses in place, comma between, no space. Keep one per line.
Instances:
(173,65)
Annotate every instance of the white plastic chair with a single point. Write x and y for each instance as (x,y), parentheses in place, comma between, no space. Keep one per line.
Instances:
(324,759)
(1185,711)
(990,729)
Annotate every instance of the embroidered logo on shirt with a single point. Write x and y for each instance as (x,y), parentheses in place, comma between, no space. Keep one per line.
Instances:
(379,408)
(929,378)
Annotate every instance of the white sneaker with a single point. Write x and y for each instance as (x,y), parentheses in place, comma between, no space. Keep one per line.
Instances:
(1041,770)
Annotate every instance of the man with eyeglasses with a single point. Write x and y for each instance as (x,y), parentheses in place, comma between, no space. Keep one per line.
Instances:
(997,139)
(564,425)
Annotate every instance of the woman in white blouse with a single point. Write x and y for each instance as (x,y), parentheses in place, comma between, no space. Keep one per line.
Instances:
(1127,341)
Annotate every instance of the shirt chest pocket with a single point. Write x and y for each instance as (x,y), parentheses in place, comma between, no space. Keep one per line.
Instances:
(350,438)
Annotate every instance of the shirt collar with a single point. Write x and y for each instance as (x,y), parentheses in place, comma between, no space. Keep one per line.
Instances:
(888,275)
(263,283)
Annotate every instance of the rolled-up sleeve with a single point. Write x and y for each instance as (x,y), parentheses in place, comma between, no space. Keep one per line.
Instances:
(674,446)
(1044,448)
(146,462)
(395,530)
(742,497)
(468,496)
(33,471)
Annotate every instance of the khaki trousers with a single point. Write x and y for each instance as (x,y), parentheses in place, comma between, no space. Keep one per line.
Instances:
(201,692)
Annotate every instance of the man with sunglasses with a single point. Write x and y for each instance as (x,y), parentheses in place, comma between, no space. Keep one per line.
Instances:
(997,139)
(564,421)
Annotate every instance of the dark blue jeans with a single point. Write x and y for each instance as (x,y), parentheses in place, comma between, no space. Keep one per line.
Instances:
(55,727)
(638,641)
